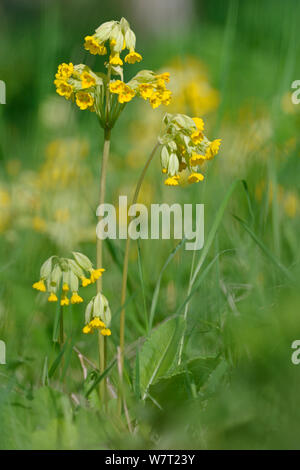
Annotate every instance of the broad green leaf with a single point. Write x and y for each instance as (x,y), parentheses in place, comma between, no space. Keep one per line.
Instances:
(158,352)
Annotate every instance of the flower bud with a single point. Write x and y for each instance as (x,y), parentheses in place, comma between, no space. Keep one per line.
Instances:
(73,282)
(130,39)
(164,157)
(46,268)
(89,311)
(173,166)
(82,260)
(124,25)
(56,275)
(117,36)
(76,268)
(104,31)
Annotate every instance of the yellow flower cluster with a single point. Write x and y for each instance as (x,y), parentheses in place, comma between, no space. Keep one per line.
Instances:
(96,324)
(145,84)
(68,272)
(156,92)
(89,90)
(97,315)
(118,36)
(184,149)
(124,92)
(78,83)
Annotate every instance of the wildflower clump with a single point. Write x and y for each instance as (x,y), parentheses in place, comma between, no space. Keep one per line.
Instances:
(97,315)
(62,277)
(185,149)
(101,93)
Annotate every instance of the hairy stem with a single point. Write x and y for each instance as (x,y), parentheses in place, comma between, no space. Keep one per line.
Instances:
(101,339)
(124,279)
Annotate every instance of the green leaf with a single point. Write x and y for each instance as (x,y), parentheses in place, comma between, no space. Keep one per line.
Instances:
(179,386)
(158,352)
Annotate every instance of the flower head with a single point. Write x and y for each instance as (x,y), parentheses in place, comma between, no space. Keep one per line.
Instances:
(84,100)
(91,91)
(87,80)
(63,88)
(133,57)
(184,148)
(93,46)
(76,299)
(64,275)
(97,315)
(40,285)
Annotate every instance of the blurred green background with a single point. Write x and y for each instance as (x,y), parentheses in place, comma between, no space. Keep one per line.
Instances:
(231,62)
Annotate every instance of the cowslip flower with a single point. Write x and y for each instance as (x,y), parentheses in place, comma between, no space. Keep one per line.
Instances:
(108,95)
(97,316)
(64,275)
(185,148)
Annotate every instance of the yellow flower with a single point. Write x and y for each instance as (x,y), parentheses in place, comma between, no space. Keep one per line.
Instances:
(166,97)
(114,59)
(155,100)
(64,300)
(197,137)
(76,299)
(91,44)
(65,71)
(65,287)
(172,181)
(126,95)
(145,90)
(96,273)
(160,84)
(195,178)
(87,80)
(164,76)
(85,281)
(133,57)
(197,159)
(213,149)
(117,86)
(52,297)
(106,332)
(40,285)
(63,88)
(87,329)
(97,323)
(84,100)
(199,123)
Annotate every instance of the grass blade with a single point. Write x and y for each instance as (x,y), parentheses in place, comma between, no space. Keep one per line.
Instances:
(137,384)
(100,378)
(57,360)
(265,250)
(157,287)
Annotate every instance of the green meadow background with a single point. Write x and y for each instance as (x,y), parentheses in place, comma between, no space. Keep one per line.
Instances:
(231,62)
